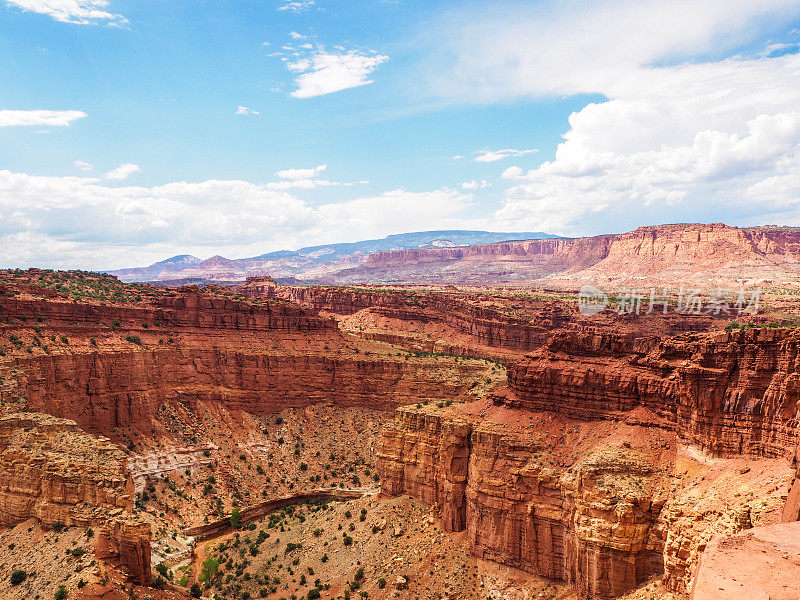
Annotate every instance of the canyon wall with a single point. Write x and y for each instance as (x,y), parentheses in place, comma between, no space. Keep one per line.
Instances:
(606,518)
(185,309)
(457,321)
(103,390)
(591,525)
(51,470)
(727,392)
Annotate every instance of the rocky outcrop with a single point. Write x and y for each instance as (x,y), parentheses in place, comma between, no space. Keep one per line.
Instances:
(459,323)
(591,525)
(426,456)
(763,562)
(186,309)
(125,542)
(52,470)
(728,392)
(608,518)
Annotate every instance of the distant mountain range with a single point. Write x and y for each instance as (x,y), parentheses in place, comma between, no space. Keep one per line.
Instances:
(314,263)
(695,254)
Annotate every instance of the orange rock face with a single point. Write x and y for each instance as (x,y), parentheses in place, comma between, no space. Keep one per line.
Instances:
(53,471)
(728,393)
(597,519)
(259,358)
(590,525)
(116,389)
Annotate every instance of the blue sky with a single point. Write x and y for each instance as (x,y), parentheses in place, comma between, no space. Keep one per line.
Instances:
(131,131)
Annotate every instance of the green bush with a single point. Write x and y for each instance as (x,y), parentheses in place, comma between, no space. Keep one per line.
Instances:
(236,519)
(61,593)
(18,576)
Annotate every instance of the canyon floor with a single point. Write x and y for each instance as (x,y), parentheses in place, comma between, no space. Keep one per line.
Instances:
(494,443)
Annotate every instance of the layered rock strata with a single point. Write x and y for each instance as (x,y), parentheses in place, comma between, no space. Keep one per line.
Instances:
(729,393)
(605,519)
(591,525)
(103,390)
(53,471)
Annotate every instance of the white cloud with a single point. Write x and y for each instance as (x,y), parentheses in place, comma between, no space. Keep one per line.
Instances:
(52,118)
(717,141)
(495,155)
(323,72)
(394,211)
(475,185)
(553,48)
(78,222)
(244,111)
(81,12)
(83,165)
(297,6)
(123,171)
(296,36)
(306,179)
(678,136)
(301,173)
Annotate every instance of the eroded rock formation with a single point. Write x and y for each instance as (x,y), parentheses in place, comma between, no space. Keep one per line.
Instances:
(609,513)
(727,392)
(52,470)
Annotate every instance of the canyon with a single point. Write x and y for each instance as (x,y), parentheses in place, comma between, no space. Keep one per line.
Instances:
(553,453)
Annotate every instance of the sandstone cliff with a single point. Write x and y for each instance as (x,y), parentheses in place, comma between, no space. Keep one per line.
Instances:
(590,524)
(572,473)
(727,392)
(53,471)
(699,253)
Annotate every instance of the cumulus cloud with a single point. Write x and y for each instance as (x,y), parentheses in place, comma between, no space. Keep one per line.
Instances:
(78,222)
(475,185)
(306,179)
(297,6)
(731,146)
(51,118)
(323,72)
(244,111)
(123,171)
(83,165)
(301,173)
(677,135)
(81,12)
(495,155)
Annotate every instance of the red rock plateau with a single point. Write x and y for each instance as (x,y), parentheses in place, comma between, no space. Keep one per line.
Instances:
(547,454)
(185,383)
(664,254)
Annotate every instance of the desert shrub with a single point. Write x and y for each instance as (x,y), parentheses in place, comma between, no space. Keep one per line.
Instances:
(18,576)
(236,518)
